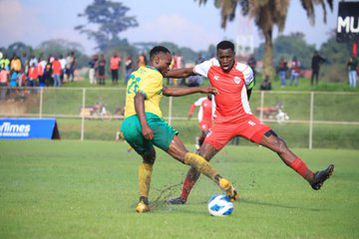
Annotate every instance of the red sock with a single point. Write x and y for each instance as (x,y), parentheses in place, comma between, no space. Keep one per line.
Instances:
(300,167)
(188,184)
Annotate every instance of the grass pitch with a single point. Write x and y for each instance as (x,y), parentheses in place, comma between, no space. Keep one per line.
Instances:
(72,189)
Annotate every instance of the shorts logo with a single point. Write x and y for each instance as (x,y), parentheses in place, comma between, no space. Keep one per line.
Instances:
(251,123)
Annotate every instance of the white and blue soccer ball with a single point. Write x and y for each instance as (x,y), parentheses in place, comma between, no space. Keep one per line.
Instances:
(220,206)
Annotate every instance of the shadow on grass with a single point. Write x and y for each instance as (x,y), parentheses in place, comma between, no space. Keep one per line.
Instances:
(163,206)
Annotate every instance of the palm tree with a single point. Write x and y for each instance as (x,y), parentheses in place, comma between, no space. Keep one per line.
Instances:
(267,14)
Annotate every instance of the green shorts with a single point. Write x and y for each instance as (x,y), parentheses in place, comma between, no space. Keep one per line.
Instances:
(162,132)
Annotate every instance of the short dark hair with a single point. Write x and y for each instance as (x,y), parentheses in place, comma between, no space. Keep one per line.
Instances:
(157,49)
(223,45)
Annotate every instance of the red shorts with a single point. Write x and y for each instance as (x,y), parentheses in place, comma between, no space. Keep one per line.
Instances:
(250,128)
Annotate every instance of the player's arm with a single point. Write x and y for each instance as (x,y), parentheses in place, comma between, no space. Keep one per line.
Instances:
(250,81)
(180,73)
(140,111)
(191,111)
(179,91)
(322,59)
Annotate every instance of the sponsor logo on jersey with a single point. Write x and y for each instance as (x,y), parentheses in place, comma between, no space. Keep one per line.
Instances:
(251,123)
(237,80)
(216,77)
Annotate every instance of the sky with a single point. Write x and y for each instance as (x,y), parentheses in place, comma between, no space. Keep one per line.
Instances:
(183,22)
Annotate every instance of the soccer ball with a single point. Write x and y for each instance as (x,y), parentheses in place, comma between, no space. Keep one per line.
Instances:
(220,206)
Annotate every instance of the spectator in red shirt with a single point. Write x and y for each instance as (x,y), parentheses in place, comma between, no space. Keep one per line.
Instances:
(115,62)
(56,72)
(40,73)
(4,79)
(33,75)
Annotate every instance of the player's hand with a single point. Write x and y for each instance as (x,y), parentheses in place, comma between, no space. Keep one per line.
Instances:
(147,132)
(210,90)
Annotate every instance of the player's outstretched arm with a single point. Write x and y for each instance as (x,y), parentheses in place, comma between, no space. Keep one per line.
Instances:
(191,110)
(180,73)
(140,111)
(178,91)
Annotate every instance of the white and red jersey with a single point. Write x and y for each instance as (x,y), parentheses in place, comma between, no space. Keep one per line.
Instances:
(231,101)
(206,110)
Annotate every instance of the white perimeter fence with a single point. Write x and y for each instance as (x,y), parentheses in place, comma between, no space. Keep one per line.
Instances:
(306,110)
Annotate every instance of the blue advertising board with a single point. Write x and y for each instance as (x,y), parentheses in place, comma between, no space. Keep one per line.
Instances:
(28,128)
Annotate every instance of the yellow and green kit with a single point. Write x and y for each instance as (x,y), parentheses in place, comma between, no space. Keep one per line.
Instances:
(149,82)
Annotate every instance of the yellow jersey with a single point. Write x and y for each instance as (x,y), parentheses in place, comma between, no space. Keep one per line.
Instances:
(148,81)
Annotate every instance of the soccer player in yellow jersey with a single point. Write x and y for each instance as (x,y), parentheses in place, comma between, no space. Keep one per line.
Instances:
(144,127)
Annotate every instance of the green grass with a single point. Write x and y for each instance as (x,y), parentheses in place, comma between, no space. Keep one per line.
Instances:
(72,189)
(296,135)
(304,84)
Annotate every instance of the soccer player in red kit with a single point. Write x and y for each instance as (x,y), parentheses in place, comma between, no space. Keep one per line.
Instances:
(205,116)
(234,82)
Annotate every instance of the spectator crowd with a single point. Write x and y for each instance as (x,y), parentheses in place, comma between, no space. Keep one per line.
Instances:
(23,70)
(20,71)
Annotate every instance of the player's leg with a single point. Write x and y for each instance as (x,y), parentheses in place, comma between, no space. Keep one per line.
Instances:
(254,130)
(144,179)
(291,79)
(203,137)
(218,138)
(207,151)
(312,78)
(131,129)
(278,145)
(297,79)
(317,77)
(178,151)
(200,139)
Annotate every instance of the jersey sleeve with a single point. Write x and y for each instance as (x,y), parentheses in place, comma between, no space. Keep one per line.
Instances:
(199,101)
(203,68)
(249,77)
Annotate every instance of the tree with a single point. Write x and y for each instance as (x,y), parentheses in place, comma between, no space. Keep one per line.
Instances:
(289,46)
(111,19)
(336,55)
(61,47)
(18,48)
(267,14)
(56,46)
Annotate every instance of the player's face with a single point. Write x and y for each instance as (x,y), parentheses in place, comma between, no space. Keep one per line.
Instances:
(226,59)
(162,62)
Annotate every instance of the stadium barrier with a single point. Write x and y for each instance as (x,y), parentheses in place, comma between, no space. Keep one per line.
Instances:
(316,116)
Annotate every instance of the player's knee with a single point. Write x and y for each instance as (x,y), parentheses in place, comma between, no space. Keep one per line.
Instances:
(282,146)
(270,133)
(149,158)
(205,154)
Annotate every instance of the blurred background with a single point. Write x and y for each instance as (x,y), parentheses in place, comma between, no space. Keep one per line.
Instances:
(277,38)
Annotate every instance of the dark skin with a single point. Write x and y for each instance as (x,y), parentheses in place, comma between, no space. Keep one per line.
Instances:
(176,149)
(270,140)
